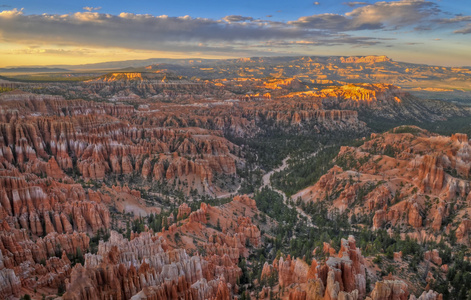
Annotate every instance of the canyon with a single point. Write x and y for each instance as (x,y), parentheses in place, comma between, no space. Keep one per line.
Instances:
(169,181)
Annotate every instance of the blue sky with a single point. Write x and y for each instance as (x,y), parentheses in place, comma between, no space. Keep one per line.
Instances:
(73,32)
(280,10)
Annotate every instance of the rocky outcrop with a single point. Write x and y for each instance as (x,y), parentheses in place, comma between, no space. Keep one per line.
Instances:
(348,268)
(398,256)
(244,199)
(430,295)
(267,271)
(96,141)
(390,290)
(10,284)
(183,211)
(408,178)
(248,231)
(431,176)
(291,271)
(144,268)
(47,207)
(463,230)
(433,256)
(43,263)
(341,276)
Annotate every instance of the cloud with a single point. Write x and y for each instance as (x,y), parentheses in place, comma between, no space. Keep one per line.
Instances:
(465,30)
(340,39)
(234,18)
(232,33)
(357,41)
(395,14)
(456,19)
(50,51)
(136,31)
(355,3)
(380,15)
(461,21)
(10,13)
(333,22)
(90,8)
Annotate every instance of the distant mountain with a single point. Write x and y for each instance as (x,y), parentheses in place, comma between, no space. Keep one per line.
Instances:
(425,80)
(134,63)
(32,70)
(126,64)
(324,70)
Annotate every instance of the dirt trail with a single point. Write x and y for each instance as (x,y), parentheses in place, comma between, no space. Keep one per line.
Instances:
(267,183)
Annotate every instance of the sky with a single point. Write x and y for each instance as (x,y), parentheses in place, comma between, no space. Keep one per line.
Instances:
(57,32)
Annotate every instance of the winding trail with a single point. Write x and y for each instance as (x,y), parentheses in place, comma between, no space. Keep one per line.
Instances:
(230,194)
(266,177)
(267,183)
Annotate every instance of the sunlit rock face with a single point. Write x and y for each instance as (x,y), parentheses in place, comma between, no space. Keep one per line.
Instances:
(342,276)
(402,173)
